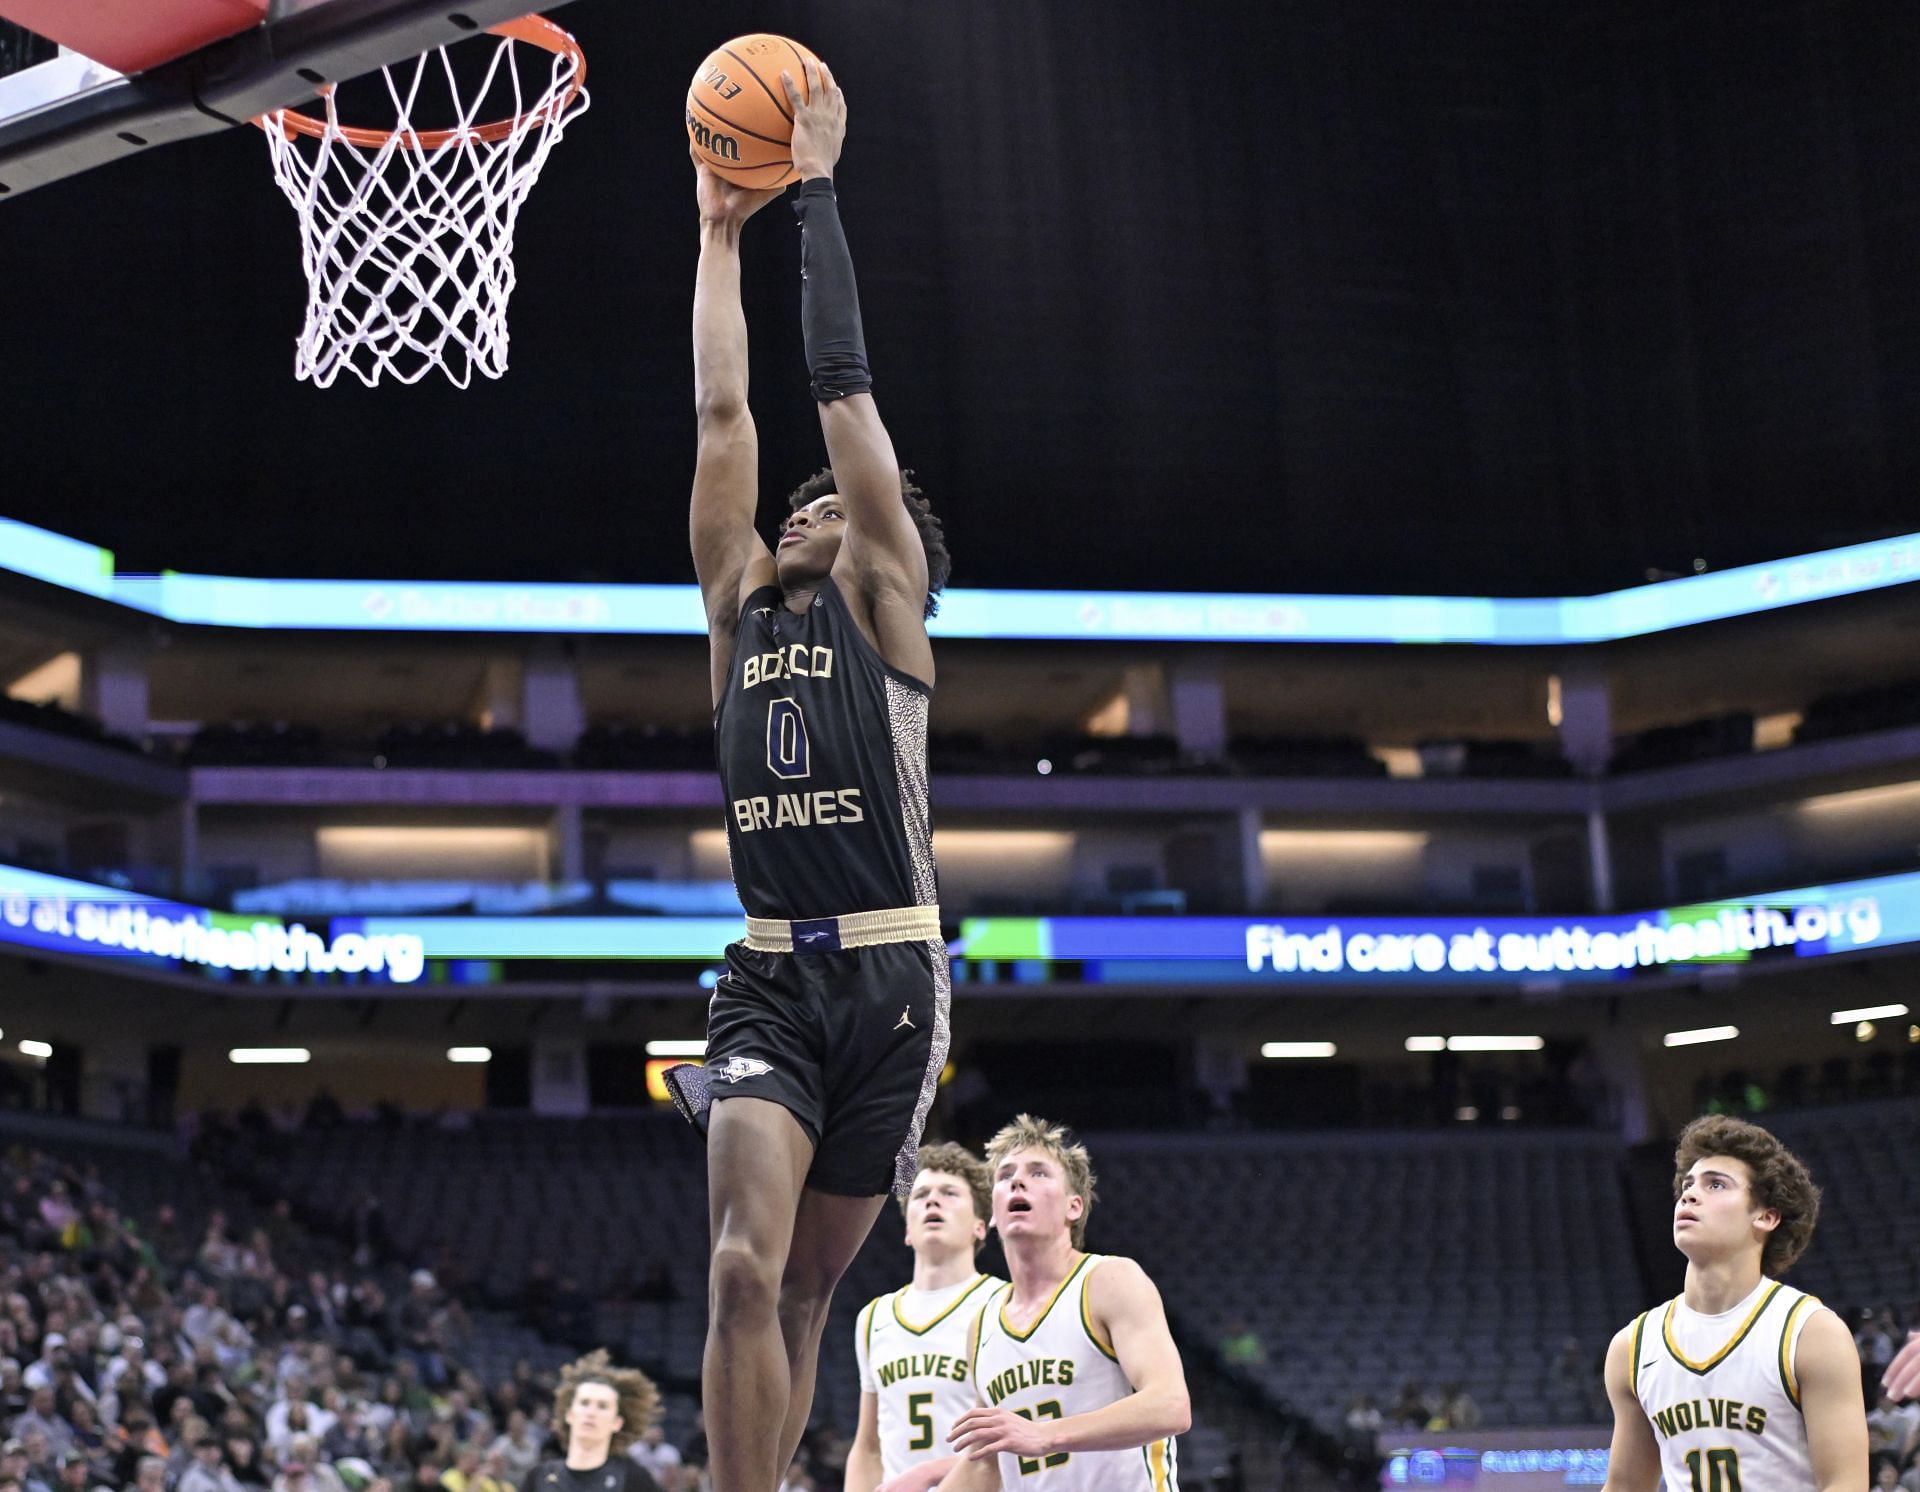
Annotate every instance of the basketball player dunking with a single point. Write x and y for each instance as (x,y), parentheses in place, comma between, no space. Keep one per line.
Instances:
(913,1344)
(827,1033)
(1740,1383)
(1079,1384)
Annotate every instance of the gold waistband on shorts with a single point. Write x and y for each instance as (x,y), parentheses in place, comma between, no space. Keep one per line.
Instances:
(854,930)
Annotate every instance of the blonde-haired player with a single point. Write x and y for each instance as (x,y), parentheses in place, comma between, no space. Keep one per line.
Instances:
(1080,1386)
(913,1344)
(1740,1383)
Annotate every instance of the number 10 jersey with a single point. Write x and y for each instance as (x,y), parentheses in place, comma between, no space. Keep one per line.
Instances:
(822,750)
(1722,1395)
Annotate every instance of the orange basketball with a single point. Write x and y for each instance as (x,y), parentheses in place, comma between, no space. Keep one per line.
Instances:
(738,117)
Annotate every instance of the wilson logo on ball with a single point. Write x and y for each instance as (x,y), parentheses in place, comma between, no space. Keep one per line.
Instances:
(724,146)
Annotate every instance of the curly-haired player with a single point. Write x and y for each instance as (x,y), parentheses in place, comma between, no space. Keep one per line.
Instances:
(598,1411)
(1740,1383)
(828,1030)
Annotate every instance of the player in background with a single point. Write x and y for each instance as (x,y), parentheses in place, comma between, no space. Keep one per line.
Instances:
(598,1411)
(913,1344)
(1740,1383)
(1079,1384)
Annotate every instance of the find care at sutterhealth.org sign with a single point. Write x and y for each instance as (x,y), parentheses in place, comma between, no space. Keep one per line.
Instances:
(1807,923)
(76,917)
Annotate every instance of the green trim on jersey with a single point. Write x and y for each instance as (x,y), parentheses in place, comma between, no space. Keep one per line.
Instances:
(1086,1321)
(1788,1380)
(954,1305)
(1700,1369)
(866,1329)
(1639,1331)
(1046,1310)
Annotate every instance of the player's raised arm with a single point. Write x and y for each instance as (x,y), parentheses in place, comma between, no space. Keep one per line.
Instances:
(728,556)
(1827,1367)
(1633,1464)
(882,544)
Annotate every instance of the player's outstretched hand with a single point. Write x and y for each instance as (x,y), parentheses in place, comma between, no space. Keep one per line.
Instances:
(723,202)
(1902,1379)
(982,1432)
(819,122)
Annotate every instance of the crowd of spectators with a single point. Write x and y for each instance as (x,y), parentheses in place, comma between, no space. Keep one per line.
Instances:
(147,1355)
(1893,1429)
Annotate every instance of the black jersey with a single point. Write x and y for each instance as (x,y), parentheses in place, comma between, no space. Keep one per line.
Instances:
(616,1474)
(823,760)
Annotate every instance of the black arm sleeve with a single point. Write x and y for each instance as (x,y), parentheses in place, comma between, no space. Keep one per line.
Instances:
(829,300)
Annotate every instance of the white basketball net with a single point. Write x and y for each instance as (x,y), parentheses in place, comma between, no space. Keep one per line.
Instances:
(408,242)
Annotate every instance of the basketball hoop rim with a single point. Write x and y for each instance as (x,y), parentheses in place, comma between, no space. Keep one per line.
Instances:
(535,30)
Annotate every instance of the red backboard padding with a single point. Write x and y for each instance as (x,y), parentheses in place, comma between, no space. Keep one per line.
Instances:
(134,35)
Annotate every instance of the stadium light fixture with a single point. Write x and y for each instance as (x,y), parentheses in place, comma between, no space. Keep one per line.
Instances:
(676,1048)
(40,1049)
(269,1056)
(1298,1049)
(469,1054)
(1495,1043)
(1867,1013)
(1426,1043)
(1700,1034)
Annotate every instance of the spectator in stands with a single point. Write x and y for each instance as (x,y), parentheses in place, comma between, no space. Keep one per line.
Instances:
(75,1474)
(243,1462)
(13,1389)
(1241,1347)
(396,1452)
(413,1326)
(1893,1429)
(520,1445)
(150,1475)
(1876,1339)
(208,1471)
(15,1468)
(44,1420)
(1461,1412)
(1410,1410)
(653,1451)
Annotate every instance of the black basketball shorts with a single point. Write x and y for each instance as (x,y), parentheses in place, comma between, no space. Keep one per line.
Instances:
(851,1043)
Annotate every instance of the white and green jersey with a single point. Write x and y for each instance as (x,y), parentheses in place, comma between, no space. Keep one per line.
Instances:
(1721,1392)
(1059,1367)
(912,1347)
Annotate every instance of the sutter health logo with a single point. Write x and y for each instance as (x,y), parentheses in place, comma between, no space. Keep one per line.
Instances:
(187,936)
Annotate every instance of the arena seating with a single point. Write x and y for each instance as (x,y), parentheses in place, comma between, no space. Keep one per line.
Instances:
(1866,1158)
(1366,1260)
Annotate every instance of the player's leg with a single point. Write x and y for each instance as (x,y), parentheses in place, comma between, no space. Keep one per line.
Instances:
(827,1233)
(757,1159)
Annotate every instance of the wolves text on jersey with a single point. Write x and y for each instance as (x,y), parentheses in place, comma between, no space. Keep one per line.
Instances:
(1710,1414)
(1030,1375)
(922,1365)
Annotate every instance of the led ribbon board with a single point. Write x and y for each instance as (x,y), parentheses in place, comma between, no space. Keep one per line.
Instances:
(1807,923)
(1118,616)
(51,912)
(77,917)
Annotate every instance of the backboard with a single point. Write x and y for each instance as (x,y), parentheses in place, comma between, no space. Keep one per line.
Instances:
(197,66)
